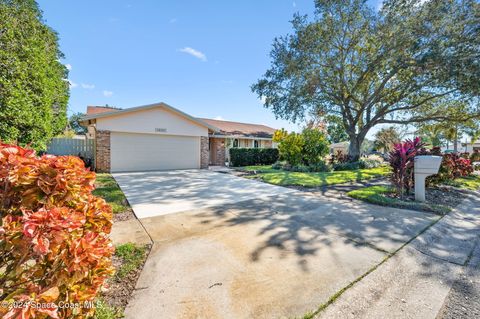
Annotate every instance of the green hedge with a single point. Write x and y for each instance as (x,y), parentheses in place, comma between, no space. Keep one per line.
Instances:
(253,156)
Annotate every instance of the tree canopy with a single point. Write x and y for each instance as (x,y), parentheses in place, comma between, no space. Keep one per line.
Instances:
(386,138)
(74,122)
(34,91)
(397,65)
(335,130)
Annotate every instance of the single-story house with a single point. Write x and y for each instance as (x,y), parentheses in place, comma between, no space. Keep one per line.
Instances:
(161,137)
(341,147)
(471,147)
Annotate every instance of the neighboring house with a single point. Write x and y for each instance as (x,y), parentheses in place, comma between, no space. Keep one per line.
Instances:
(161,137)
(471,147)
(339,147)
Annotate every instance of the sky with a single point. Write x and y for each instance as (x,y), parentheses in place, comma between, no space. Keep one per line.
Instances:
(199,56)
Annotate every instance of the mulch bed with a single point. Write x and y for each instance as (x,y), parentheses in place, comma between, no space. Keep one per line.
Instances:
(441,195)
(119,290)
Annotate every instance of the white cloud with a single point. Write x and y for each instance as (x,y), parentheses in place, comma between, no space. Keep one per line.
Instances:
(263,99)
(107,93)
(72,84)
(68,66)
(195,53)
(88,86)
(219,118)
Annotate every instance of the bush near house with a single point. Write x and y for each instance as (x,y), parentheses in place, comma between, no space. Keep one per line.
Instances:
(475,156)
(298,150)
(53,235)
(253,156)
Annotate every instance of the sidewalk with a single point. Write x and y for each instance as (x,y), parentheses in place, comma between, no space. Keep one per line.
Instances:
(416,281)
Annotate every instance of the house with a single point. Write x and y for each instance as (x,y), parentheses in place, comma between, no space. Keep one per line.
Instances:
(161,137)
(341,147)
(471,147)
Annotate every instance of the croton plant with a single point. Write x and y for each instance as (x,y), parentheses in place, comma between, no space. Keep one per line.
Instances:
(55,253)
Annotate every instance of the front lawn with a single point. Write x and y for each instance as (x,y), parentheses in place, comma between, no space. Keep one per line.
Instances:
(379,195)
(469,182)
(108,189)
(309,179)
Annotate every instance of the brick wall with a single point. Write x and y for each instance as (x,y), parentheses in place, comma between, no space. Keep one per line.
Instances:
(102,160)
(204,153)
(219,149)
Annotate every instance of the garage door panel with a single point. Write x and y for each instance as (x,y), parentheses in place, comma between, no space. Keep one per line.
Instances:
(146,152)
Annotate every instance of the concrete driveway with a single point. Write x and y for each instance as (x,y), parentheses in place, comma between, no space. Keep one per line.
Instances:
(226,247)
(166,192)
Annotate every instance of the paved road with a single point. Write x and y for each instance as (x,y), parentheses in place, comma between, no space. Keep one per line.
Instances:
(260,252)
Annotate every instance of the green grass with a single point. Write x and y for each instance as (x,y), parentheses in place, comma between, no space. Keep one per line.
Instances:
(470,182)
(108,189)
(375,195)
(132,257)
(105,311)
(286,178)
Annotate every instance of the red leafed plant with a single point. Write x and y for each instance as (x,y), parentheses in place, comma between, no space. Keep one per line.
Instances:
(401,160)
(453,166)
(54,245)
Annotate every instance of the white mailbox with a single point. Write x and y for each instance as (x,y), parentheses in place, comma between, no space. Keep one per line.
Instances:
(425,165)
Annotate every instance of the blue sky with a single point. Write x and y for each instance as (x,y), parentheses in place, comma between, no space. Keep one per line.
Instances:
(199,56)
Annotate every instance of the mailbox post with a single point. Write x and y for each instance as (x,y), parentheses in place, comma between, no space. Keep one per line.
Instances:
(424,166)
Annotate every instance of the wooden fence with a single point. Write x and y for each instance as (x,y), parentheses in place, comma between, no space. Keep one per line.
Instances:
(72,146)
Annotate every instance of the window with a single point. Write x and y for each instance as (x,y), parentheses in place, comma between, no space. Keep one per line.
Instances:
(235,143)
(255,144)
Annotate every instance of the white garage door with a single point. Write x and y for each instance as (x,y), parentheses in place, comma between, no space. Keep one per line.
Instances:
(147,152)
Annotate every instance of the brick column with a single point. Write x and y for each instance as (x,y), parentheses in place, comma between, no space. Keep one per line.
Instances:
(220,150)
(102,151)
(204,153)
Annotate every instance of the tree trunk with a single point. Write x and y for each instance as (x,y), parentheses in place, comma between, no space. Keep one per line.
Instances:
(455,142)
(355,147)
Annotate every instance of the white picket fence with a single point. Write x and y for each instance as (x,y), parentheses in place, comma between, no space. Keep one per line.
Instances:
(72,146)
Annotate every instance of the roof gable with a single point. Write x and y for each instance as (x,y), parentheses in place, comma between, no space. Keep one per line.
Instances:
(116,112)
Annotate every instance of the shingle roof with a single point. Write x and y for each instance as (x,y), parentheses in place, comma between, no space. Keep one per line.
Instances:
(100,109)
(240,129)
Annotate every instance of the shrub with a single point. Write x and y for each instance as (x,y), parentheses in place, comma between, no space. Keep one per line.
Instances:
(349,166)
(253,156)
(298,168)
(371,163)
(315,146)
(339,158)
(291,148)
(453,166)
(320,167)
(475,156)
(53,235)
(401,160)
(277,165)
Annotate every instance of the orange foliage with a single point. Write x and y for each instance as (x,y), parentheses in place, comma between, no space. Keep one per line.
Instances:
(54,246)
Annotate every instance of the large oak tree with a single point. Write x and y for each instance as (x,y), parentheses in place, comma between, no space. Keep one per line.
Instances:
(33,87)
(397,65)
